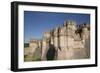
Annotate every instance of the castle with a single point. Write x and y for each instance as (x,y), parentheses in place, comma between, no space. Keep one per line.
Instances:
(66,42)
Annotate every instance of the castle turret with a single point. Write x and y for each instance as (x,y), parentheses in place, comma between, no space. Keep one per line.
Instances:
(52,37)
(45,44)
(56,41)
(30,52)
(33,45)
(56,38)
(62,43)
(47,35)
(62,36)
(85,31)
(71,27)
(45,47)
(66,37)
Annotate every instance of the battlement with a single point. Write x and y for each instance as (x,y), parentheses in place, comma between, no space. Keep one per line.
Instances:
(33,41)
(70,24)
(46,34)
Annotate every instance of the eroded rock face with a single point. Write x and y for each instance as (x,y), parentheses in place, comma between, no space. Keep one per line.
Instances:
(63,43)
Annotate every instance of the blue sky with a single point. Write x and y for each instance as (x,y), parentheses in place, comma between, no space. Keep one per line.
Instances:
(35,23)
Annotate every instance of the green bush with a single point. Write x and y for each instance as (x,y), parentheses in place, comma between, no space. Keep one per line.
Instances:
(36,58)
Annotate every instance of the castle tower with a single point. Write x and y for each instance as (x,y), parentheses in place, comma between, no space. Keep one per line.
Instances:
(45,45)
(52,37)
(33,45)
(81,43)
(62,43)
(71,28)
(47,35)
(30,52)
(56,41)
(56,37)
(66,36)
(85,32)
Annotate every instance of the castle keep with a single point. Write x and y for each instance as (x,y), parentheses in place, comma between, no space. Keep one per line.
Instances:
(69,41)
